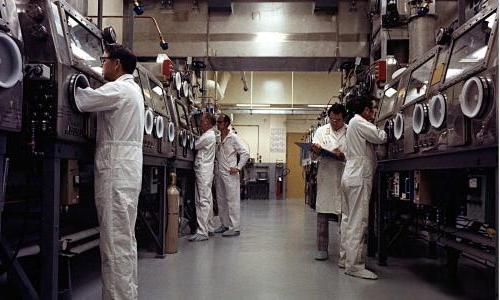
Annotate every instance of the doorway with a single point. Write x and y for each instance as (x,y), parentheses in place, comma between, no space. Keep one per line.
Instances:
(295,179)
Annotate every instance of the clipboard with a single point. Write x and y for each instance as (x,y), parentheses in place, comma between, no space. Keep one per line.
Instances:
(323,152)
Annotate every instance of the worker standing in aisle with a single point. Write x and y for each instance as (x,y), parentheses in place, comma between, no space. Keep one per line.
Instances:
(329,139)
(204,171)
(227,177)
(118,168)
(361,137)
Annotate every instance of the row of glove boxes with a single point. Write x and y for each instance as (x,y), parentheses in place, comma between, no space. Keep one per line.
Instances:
(469,192)
(73,177)
(447,99)
(52,50)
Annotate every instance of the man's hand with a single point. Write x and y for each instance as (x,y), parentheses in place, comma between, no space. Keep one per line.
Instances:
(233,171)
(316,148)
(339,153)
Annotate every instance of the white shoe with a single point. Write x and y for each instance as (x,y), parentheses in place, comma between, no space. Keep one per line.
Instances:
(365,274)
(341,265)
(230,232)
(321,255)
(197,237)
(221,229)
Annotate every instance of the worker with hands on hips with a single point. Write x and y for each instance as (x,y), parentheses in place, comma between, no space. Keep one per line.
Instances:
(227,179)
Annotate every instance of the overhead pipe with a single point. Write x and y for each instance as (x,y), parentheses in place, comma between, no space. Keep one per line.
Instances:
(163,43)
(244,80)
(99,13)
(462,5)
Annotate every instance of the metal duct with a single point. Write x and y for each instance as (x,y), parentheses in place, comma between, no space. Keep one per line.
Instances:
(226,76)
(421,35)
(220,86)
(212,86)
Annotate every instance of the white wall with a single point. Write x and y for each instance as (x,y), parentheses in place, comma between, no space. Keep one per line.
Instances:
(255,130)
(265,123)
(300,123)
(110,8)
(281,88)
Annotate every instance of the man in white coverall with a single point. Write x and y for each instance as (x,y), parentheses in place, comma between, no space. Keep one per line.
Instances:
(357,185)
(227,179)
(204,171)
(118,168)
(329,138)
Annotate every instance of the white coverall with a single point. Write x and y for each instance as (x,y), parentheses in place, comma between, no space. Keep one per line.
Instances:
(227,186)
(357,185)
(117,179)
(329,197)
(204,171)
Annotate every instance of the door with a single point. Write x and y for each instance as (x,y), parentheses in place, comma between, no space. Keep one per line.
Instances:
(294,180)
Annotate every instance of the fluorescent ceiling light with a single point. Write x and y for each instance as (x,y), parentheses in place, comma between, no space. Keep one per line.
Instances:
(270,37)
(81,54)
(390,92)
(161,57)
(318,105)
(391,60)
(490,20)
(453,72)
(158,90)
(72,22)
(475,56)
(253,105)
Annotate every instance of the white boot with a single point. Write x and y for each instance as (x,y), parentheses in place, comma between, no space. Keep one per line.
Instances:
(364,273)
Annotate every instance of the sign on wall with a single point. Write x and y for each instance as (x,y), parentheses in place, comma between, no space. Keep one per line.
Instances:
(278,140)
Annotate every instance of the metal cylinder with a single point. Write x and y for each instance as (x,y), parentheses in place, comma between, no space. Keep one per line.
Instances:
(172,233)
(421,34)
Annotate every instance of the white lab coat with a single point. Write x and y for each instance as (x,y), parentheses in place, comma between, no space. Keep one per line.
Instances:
(227,186)
(204,171)
(118,175)
(357,184)
(329,195)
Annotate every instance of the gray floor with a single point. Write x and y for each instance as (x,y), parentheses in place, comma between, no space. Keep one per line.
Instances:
(272,259)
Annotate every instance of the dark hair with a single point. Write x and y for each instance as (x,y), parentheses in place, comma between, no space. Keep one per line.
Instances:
(127,58)
(226,119)
(211,118)
(357,104)
(337,108)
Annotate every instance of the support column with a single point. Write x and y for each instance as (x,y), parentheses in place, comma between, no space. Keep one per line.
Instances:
(49,245)
(162,224)
(382,198)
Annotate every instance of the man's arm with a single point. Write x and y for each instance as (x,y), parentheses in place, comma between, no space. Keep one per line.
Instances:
(339,154)
(204,141)
(371,133)
(242,150)
(101,99)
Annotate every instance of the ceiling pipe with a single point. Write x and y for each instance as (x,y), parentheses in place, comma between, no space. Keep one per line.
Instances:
(99,13)
(163,43)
